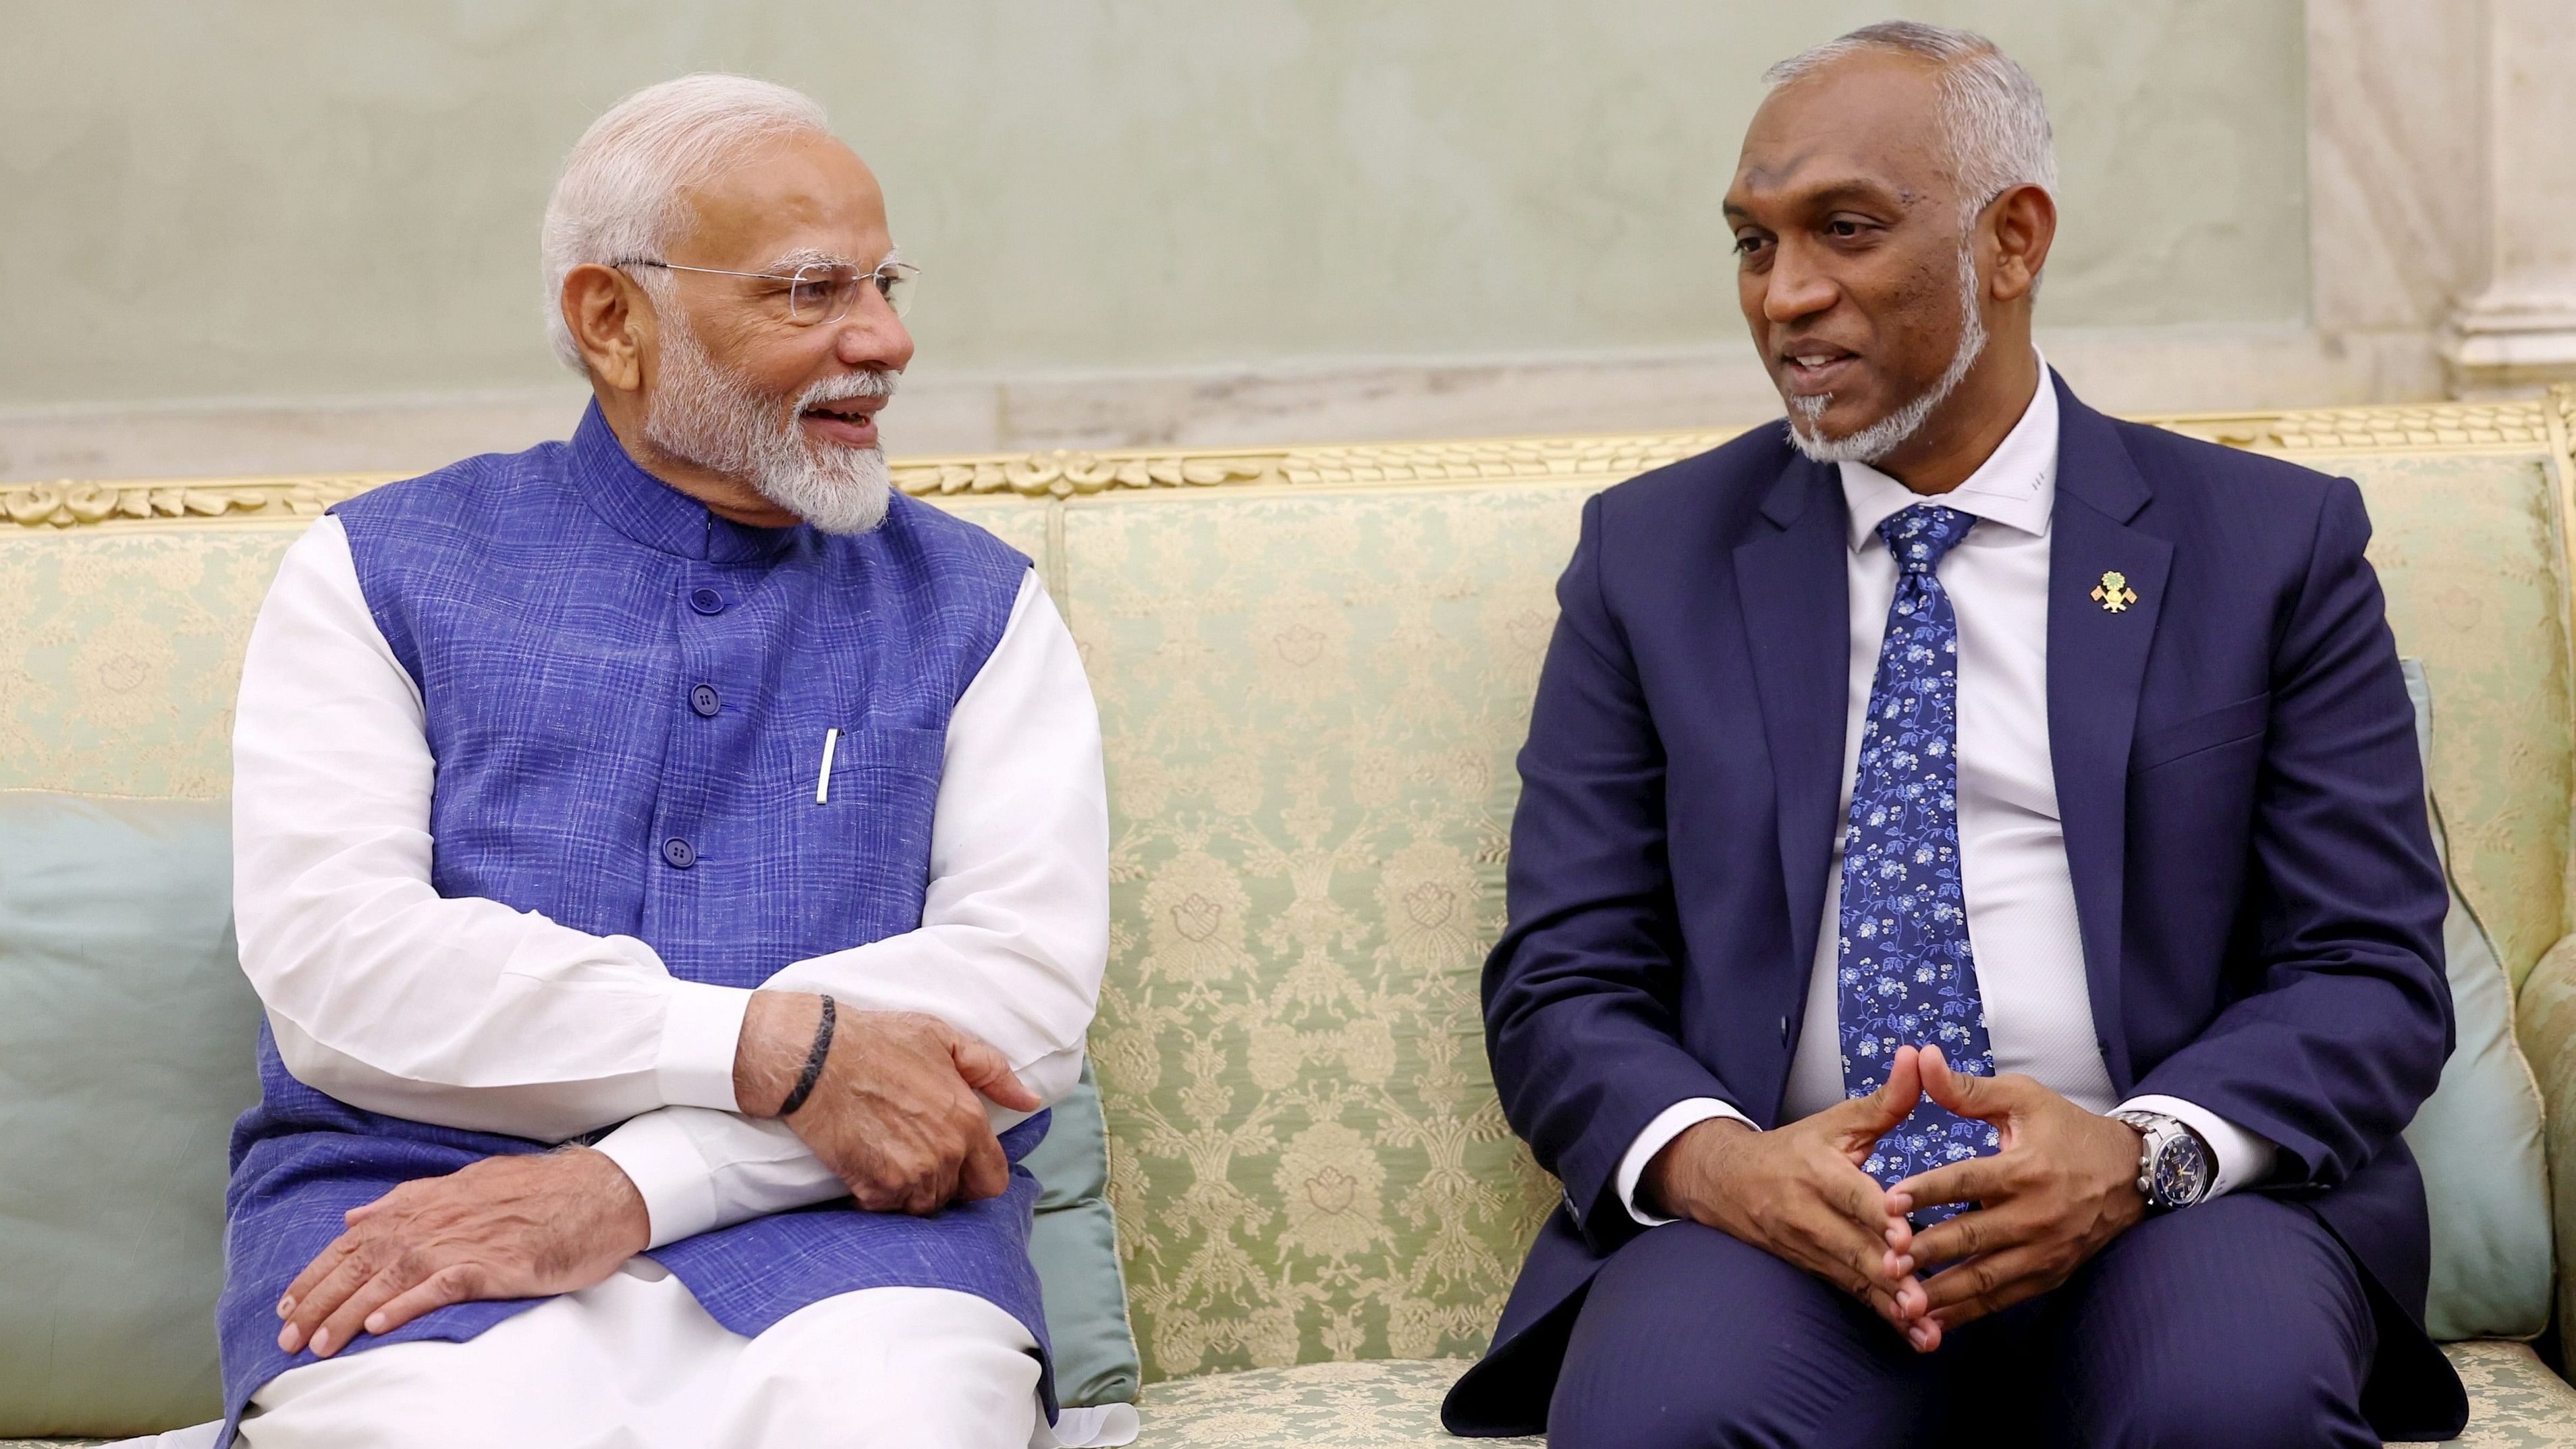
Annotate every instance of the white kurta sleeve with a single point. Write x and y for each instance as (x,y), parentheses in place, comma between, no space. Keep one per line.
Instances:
(1013,939)
(460,1012)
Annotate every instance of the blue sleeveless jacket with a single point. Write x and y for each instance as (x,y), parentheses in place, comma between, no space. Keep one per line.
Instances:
(627,699)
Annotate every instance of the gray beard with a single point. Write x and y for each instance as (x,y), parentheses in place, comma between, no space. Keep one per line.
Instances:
(701,415)
(1890,433)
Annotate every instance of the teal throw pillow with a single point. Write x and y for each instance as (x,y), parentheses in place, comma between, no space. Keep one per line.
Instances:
(125,1054)
(2477,1137)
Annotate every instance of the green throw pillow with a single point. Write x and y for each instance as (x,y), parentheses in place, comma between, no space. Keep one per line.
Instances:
(1075,1247)
(126,1035)
(125,1054)
(2478,1136)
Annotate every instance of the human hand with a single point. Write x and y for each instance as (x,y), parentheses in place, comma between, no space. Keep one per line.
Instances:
(895,1113)
(1797,1192)
(2064,1184)
(504,1227)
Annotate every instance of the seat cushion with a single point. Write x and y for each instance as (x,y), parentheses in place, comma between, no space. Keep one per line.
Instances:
(2513,1401)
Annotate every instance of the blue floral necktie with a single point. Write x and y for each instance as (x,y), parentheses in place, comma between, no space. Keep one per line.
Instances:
(1906,975)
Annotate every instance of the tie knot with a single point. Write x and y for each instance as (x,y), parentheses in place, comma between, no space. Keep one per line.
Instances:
(1920,535)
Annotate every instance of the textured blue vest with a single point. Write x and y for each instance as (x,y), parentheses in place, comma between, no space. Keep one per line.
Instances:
(627,699)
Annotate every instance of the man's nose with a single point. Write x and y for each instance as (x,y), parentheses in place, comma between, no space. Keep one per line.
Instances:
(1796,287)
(873,336)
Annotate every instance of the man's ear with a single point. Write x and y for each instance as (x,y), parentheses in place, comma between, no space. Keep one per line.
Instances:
(2024,223)
(612,323)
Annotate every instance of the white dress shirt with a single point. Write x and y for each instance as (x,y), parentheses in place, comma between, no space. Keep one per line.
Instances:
(2012,849)
(466,1013)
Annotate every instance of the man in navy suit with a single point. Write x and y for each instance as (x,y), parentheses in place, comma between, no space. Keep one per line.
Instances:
(1974,934)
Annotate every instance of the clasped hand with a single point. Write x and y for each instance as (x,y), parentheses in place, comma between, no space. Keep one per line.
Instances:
(895,1115)
(2062,1186)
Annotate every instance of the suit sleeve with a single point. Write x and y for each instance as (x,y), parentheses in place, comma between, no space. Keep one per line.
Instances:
(1582,992)
(2346,1021)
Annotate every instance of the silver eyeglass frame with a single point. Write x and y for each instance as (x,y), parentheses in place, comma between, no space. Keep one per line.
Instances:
(883,274)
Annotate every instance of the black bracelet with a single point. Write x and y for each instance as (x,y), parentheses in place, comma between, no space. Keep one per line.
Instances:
(813,1063)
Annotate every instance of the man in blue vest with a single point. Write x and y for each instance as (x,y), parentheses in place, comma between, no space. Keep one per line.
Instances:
(674,865)
(1974,934)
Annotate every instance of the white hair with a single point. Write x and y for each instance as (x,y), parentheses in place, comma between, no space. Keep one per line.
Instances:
(1992,115)
(623,192)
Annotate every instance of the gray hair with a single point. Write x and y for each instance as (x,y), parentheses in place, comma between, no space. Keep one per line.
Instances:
(623,191)
(1992,114)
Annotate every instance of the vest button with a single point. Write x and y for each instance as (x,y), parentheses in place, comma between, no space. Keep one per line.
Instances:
(706,601)
(705,700)
(680,853)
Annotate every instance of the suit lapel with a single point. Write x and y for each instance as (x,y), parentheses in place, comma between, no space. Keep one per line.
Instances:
(2097,663)
(1793,588)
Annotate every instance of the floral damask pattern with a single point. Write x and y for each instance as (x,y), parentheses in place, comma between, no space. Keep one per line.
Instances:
(2468,548)
(1311,788)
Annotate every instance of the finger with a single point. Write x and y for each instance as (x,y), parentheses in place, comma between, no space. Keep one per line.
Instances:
(320,1300)
(455,1283)
(314,1272)
(1895,1098)
(342,1326)
(987,1171)
(1967,1291)
(1974,1234)
(1857,1197)
(989,1072)
(1978,1179)
(1983,1098)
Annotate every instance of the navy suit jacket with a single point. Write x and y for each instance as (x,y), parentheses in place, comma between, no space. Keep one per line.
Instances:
(2236,767)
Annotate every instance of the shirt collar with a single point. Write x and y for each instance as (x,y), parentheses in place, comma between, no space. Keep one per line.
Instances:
(2016,485)
(652,512)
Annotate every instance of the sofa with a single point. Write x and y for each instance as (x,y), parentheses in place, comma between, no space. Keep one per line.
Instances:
(1313,666)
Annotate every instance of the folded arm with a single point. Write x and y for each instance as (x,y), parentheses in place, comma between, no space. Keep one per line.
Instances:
(466,1013)
(1013,940)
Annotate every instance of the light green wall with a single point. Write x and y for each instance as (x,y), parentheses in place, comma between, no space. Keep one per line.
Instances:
(299,199)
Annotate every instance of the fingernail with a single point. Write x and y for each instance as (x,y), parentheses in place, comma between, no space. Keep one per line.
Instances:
(285,1306)
(375,1323)
(288,1337)
(321,1342)
(1904,1265)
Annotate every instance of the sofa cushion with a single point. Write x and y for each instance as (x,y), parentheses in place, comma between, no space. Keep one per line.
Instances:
(125,1032)
(1310,705)
(1074,1244)
(2514,1403)
(2477,1138)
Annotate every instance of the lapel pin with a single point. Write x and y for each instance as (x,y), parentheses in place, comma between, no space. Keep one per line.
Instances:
(2114,593)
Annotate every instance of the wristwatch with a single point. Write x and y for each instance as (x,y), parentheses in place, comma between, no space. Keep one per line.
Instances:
(2173,1163)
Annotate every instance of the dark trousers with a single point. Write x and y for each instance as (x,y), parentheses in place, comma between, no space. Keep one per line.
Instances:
(2240,1322)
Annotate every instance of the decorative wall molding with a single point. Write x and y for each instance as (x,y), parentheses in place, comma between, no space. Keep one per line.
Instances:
(2517,424)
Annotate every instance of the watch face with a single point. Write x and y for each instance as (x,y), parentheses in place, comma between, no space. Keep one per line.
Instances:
(2182,1170)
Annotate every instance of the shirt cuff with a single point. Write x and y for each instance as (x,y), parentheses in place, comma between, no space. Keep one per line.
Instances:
(669,1173)
(2237,1157)
(1670,1123)
(701,1033)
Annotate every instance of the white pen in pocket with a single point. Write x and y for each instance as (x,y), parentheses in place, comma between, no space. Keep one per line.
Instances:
(823,781)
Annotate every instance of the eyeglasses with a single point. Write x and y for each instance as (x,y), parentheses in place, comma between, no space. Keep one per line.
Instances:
(822,291)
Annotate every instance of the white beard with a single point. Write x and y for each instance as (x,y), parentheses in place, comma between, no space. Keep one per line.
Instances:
(1889,433)
(704,416)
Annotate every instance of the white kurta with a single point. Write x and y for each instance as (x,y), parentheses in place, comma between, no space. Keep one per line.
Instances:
(467,1013)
